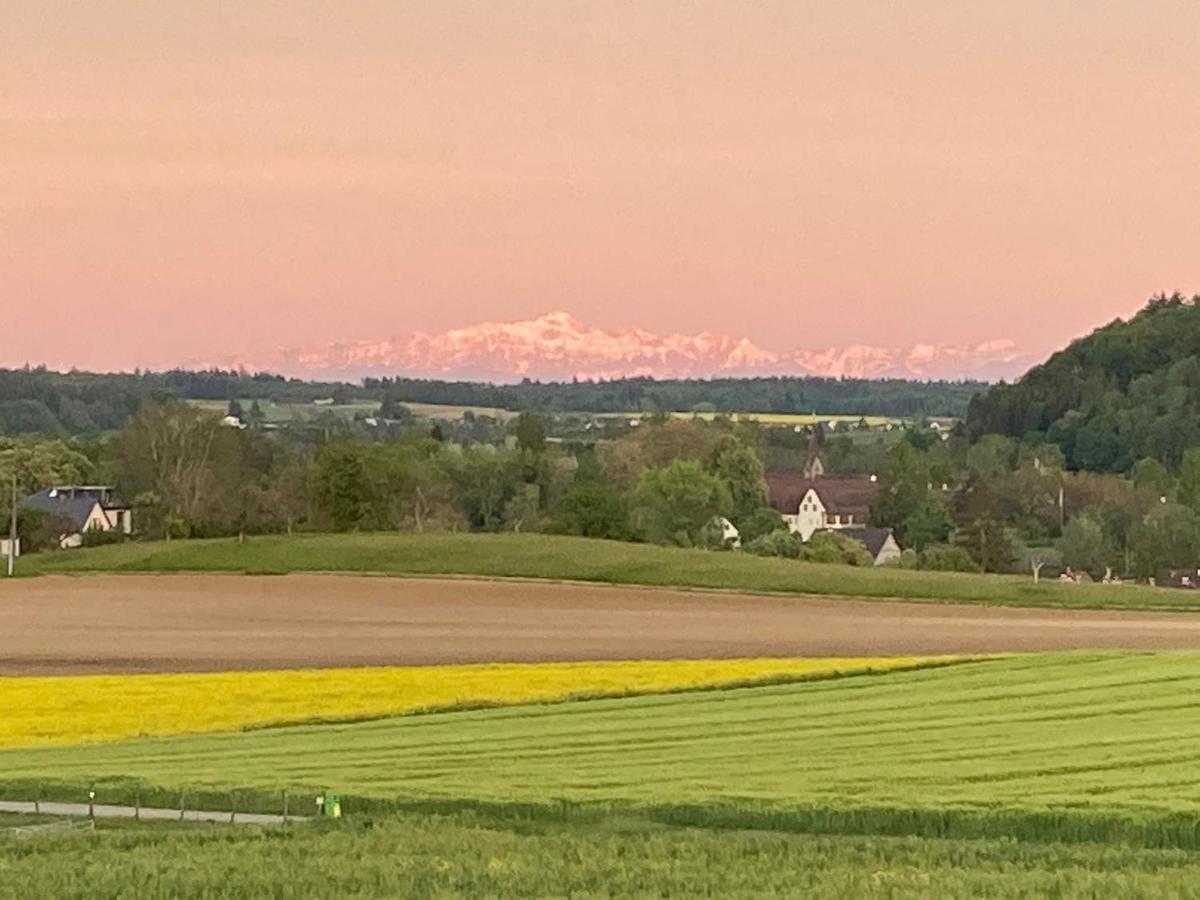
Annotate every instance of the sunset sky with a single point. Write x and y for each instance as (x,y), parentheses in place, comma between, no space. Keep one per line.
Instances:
(183,180)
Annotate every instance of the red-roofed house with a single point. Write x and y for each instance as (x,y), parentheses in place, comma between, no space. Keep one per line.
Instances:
(831,503)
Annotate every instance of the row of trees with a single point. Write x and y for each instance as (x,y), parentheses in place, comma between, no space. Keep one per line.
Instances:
(996,504)
(778,394)
(188,475)
(1014,506)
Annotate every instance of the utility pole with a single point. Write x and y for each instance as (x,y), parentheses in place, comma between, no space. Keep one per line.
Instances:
(12,526)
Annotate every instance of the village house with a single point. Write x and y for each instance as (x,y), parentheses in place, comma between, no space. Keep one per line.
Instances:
(840,503)
(880,543)
(80,509)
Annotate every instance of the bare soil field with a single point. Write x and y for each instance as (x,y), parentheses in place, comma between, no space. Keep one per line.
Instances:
(158,623)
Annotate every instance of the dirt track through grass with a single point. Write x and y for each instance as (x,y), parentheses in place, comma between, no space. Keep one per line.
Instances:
(148,623)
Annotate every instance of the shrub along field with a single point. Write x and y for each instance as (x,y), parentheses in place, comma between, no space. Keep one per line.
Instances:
(581,559)
(1090,746)
(478,855)
(44,711)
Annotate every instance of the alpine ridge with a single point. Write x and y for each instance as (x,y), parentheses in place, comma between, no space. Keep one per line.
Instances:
(557,346)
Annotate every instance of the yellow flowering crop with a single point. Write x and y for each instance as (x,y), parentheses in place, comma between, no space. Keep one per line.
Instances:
(42,711)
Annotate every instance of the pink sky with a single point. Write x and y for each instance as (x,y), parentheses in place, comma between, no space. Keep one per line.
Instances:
(185,180)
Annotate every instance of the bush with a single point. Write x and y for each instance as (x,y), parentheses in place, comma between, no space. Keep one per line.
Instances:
(945,558)
(831,547)
(761,523)
(97,538)
(39,530)
(781,543)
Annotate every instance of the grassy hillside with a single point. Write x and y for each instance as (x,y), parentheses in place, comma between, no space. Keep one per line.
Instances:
(480,856)
(1056,747)
(581,559)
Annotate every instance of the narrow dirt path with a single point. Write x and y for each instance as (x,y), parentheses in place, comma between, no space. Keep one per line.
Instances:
(108,811)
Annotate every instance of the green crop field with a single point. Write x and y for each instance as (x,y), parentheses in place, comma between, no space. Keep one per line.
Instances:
(582,559)
(1061,775)
(1051,747)
(480,856)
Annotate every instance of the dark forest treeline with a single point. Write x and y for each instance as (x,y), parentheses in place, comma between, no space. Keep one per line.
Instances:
(1128,392)
(850,396)
(39,401)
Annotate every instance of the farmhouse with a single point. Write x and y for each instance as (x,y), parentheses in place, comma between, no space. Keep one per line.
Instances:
(80,509)
(830,501)
(839,503)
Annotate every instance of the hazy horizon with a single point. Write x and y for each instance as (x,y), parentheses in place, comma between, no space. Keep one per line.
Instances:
(190,183)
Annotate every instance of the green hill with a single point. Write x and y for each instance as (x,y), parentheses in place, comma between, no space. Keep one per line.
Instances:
(1128,391)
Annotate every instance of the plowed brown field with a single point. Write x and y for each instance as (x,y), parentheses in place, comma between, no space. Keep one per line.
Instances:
(157,623)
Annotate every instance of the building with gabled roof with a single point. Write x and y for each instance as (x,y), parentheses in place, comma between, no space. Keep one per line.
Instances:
(830,501)
(80,509)
(839,503)
(880,543)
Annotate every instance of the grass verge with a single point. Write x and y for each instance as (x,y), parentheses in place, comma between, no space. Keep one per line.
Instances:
(473,853)
(581,559)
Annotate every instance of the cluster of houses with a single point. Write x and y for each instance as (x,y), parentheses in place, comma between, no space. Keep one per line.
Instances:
(75,510)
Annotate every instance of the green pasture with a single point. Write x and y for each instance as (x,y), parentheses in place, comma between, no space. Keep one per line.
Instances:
(537,556)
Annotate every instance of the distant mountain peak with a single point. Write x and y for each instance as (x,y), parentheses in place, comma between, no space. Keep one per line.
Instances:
(558,346)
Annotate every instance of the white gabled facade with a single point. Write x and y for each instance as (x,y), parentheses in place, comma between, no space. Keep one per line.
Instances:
(813,516)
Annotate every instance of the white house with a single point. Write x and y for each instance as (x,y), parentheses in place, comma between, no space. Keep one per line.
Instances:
(730,536)
(830,501)
(839,503)
(80,509)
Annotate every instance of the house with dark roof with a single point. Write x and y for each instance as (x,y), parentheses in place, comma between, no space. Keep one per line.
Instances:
(880,543)
(839,503)
(80,509)
(830,501)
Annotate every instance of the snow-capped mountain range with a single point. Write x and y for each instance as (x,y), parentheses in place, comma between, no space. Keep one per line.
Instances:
(557,346)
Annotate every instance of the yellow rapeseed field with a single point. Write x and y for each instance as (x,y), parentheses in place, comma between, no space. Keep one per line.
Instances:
(42,711)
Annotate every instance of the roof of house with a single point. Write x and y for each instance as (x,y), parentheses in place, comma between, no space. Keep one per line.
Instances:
(871,538)
(844,495)
(74,507)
